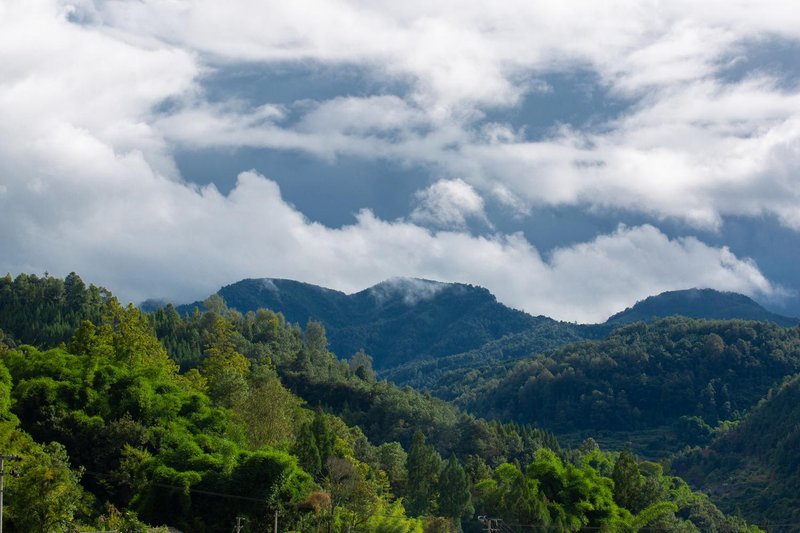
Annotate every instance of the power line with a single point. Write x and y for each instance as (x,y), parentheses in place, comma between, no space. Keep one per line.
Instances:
(210,493)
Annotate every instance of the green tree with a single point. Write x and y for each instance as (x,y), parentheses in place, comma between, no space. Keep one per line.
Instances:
(353,499)
(323,436)
(423,467)
(126,331)
(361,366)
(306,450)
(392,459)
(270,412)
(627,481)
(455,501)
(47,495)
(224,368)
(75,294)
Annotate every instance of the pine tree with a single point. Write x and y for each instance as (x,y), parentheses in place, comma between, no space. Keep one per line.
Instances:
(323,436)
(307,452)
(454,496)
(627,481)
(423,472)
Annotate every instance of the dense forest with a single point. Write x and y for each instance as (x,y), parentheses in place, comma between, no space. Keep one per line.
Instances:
(122,419)
(686,374)
(451,377)
(755,467)
(396,321)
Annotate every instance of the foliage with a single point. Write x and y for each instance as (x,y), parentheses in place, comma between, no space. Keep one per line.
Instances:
(47,310)
(564,496)
(455,500)
(192,421)
(455,377)
(46,496)
(754,468)
(395,321)
(423,465)
(645,376)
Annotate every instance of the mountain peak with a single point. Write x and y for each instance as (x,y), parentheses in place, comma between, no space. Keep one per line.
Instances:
(699,303)
(410,290)
(397,320)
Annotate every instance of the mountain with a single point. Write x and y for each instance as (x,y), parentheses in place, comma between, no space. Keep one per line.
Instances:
(699,303)
(396,321)
(453,377)
(671,376)
(272,416)
(755,468)
(433,335)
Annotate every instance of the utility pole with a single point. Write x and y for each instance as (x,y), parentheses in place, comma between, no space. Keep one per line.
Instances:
(3,459)
(276,522)
(488,522)
(237,528)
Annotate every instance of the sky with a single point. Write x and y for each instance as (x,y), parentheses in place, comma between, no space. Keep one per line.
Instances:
(572,157)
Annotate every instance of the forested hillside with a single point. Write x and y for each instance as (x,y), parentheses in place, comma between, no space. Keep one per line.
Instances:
(755,467)
(687,374)
(396,321)
(452,377)
(699,303)
(445,338)
(259,417)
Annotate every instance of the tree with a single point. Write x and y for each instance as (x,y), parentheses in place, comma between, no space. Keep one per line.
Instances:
(75,293)
(627,481)
(454,496)
(512,496)
(392,458)
(127,333)
(352,497)
(423,467)
(361,366)
(224,368)
(269,410)
(307,452)
(215,304)
(47,494)
(323,436)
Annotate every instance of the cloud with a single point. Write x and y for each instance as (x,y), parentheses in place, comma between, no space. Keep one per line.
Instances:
(90,116)
(412,290)
(448,204)
(193,241)
(692,145)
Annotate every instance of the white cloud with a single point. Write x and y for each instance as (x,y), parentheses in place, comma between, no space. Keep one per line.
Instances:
(89,184)
(448,204)
(193,241)
(413,290)
(692,147)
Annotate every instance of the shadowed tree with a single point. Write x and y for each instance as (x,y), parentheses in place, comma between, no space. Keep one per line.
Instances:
(423,467)
(454,496)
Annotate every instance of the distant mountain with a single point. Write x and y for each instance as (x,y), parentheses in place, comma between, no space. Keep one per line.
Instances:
(453,377)
(699,303)
(755,468)
(395,321)
(430,334)
(642,377)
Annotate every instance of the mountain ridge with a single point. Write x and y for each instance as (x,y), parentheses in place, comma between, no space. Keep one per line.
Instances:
(395,321)
(402,321)
(705,303)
